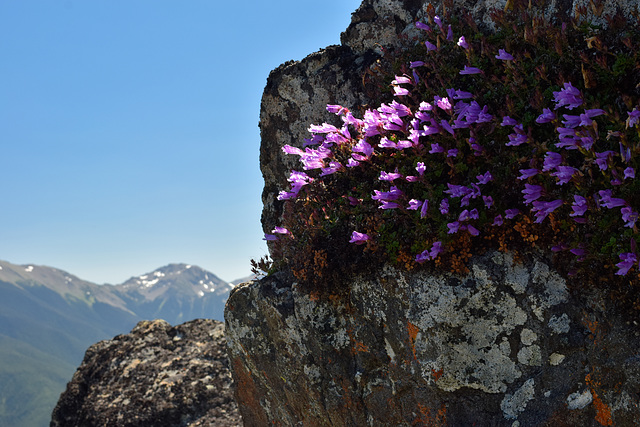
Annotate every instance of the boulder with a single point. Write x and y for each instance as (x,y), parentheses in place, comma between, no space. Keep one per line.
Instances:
(508,342)
(157,375)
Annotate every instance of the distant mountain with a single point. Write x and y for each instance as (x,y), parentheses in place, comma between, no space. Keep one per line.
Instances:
(48,318)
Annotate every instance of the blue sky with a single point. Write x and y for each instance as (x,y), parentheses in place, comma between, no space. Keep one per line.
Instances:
(129,128)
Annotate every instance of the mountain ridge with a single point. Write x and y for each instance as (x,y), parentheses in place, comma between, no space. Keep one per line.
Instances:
(49,317)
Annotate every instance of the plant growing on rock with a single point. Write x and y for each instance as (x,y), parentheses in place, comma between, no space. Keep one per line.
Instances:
(524,138)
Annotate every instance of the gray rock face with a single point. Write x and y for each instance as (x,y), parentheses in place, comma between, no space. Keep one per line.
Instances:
(157,375)
(507,342)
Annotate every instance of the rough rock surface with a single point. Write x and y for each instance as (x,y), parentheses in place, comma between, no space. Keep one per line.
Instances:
(507,344)
(157,375)
(297,92)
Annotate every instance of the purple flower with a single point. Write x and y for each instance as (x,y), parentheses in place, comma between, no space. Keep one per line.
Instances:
(564,174)
(421,168)
(358,238)
(497,221)
(630,216)
(449,33)
(362,147)
(430,46)
(628,259)
(542,209)
(333,168)
(398,91)
(444,206)
(579,206)
(457,190)
(401,80)
(579,252)
(386,143)
(527,173)
(470,70)
(625,153)
(280,230)
(603,158)
(551,161)
(452,153)
(504,55)
(462,42)
(453,227)
(270,237)
(488,201)
(460,94)
(423,26)
(511,213)
(423,256)
(388,205)
(436,248)
(546,116)
(292,150)
(472,230)
(436,148)
(438,21)
(516,139)
(508,121)
(531,193)
(385,176)
(633,118)
(610,202)
(336,109)
(447,126)
(629,173)
(414,204)
(393,194)
(569,96)
(323,128)
(416,64)
(484,178)
(444,103)
(464,215)
(425,207)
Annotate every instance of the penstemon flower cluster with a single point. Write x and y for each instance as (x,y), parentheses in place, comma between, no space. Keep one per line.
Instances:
(449,163)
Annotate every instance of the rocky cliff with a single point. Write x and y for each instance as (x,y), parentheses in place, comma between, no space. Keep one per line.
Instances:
(157,375)
(509,343)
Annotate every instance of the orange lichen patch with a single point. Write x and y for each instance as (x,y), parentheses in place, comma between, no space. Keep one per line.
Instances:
(426,418)
(314,296)
(603,412)
(413,333)
(437,374)
(359,347)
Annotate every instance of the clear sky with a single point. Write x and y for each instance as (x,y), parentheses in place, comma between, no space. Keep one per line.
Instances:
(129,128)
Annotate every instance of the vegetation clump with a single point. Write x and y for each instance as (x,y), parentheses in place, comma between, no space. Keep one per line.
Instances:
(525,138)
